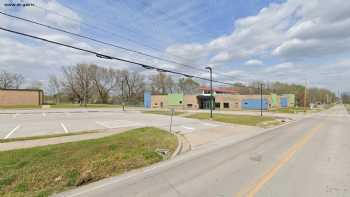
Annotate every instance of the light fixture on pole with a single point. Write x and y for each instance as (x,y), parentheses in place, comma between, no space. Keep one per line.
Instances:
(211,90)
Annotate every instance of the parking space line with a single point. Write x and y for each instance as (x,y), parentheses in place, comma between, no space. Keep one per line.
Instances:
(44,114)
(64,127)
(188,128)
(12,131)
(102,124)
(14,115)
(210,124)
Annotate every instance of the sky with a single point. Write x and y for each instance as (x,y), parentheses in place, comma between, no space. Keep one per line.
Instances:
(291,41)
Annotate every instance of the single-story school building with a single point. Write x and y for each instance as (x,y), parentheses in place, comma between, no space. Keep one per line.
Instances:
(21,97)
(224,99)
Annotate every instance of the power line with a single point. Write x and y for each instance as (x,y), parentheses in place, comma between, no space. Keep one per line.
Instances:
(99,41)
(100,55)
(112,33)
(128,39)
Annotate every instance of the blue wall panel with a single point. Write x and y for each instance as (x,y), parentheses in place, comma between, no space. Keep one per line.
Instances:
(284,102)
(254,104)
(147,99)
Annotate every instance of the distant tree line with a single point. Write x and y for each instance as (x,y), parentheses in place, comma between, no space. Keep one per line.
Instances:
(10,80)
(90,83)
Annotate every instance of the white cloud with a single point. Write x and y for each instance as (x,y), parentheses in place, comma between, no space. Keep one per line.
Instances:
(282,30)
(280,67)
(254,62)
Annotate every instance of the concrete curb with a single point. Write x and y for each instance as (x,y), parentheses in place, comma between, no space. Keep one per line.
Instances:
(179,146)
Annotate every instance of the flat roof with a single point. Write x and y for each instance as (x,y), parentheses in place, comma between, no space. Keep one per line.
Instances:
(26,90)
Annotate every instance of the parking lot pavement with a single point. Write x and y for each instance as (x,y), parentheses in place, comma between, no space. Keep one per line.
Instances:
(31,123)
(197,132)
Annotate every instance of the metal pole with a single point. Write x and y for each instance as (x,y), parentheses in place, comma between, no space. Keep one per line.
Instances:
(261,99)
(211,90)
(171,119)
(305,89)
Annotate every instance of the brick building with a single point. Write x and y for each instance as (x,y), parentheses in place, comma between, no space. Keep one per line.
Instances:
(23,97)
(224,99)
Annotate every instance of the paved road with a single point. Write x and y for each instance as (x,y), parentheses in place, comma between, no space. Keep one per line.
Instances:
(306,158)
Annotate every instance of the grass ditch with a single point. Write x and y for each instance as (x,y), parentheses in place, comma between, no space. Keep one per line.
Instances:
(238,119)
(42,171)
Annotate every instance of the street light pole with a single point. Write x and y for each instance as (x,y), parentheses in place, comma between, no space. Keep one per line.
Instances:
(261,100)
(211,90)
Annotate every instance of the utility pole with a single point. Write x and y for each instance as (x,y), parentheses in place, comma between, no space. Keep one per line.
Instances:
(211,90)
(123,102)
(261,99)
(305,89)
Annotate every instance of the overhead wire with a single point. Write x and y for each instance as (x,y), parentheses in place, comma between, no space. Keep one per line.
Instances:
(137,43)
(98,41)
(101,55)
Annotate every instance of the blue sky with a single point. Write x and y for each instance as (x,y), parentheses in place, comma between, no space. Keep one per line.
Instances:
(290,41)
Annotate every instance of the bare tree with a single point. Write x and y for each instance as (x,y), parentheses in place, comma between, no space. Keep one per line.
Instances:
(54,88)
(70,84)
(162,83)
(188,86)
(105,80)
(10,80)
(133,84)
(84,75)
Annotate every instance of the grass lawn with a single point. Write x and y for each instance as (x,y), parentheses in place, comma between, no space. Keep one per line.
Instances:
(43,136)
(20,107)
(71,105)
(237,119)
(163,112)
(290,110)
(42,171)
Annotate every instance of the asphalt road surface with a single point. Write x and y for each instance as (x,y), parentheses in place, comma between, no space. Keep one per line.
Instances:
(305,158)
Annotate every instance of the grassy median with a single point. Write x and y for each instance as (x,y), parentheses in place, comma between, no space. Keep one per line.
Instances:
(237,119)
(168,113)
(37,137)
(42,171)
(71,105)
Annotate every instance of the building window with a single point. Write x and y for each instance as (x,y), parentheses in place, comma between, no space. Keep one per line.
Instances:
(226,105)
(217,105)
(189,105)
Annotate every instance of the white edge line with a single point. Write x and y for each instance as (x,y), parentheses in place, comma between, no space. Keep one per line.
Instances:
(64,127)
(12,131)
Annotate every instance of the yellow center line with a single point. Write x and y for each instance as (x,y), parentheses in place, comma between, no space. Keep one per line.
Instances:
(256,187)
